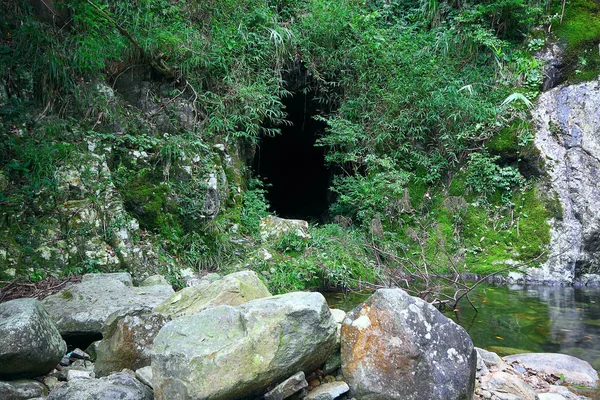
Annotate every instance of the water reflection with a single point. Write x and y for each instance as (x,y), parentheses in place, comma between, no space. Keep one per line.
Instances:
(524,318)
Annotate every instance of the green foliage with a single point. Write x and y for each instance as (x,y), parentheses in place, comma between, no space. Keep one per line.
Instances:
(486,177)
(254,207)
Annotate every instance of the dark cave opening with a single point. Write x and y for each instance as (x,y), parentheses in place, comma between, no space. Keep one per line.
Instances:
(292,166)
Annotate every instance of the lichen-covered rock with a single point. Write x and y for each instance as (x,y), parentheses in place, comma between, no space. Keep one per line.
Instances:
(22,390)
(228,353)
(234,289)
(275,228)
(30,343)
(574,370)
(127,341)
(395,346)
(121,386)
(82,309)
(568,139)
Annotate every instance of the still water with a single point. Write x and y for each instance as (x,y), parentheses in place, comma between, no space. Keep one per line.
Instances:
(514,319)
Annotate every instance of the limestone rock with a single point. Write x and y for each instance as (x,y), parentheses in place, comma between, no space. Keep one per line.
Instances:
(234,289)
(30,343)
(395,346)
(82,309)
(568,138)
(127,341)
(506,386)
(575,371)
(22,390)
(328,391)
(288,387)
(228,353)
(121,386)
(275,228)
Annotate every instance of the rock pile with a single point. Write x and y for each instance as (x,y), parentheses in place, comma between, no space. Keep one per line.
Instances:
(239,342)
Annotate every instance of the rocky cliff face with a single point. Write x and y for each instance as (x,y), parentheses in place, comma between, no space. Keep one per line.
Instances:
(568,138)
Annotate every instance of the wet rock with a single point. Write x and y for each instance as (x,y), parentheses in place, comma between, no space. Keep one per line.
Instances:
(30,343)
(233,290)
(574,370)
(22,390)
(228,353)
(82,309)
(506,386)
(395,346)
(127,341)
(275,228)
(121,386)
(328,391)
(285,389)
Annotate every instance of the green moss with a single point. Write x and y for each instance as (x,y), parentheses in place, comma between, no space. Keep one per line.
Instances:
(580,30)
(520,234)
(505,141)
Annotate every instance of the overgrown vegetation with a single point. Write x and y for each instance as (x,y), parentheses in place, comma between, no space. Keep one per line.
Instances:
(425,102)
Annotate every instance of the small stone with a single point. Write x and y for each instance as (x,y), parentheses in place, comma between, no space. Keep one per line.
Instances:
(329,379)
(288,387)
(154,280)
(328,391)
(314,383)
(51,382)
(65,362)
(490,359)
(144,375)
(77,374)
(78,354)
(21,390)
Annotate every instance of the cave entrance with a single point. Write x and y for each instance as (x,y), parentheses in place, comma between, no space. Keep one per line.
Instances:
(291,164)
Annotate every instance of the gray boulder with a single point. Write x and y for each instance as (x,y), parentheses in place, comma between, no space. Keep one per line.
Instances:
(575,371)
(82,309)
(234,289)
(228,353)
(328,391)
(127,341)
(22,390)
(505,386)
(30,343)
(395,346)
(122,386)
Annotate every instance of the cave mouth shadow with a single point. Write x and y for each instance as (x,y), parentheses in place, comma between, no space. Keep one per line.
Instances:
(292,166)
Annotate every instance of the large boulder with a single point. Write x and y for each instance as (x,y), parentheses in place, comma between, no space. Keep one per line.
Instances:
(82,309)
(395,346)
(228,353)
(30,343)
(127,341)
(568,139)
(121,386)
(574,370)
(232,290)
